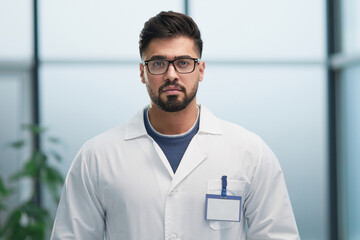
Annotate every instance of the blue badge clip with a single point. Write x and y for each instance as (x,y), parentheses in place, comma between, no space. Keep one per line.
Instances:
(224,184)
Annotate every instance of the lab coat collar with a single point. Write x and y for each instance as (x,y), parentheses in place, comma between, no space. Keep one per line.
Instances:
(209,124)
(136,127)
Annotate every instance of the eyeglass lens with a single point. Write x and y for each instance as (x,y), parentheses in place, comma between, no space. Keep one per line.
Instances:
(181,65)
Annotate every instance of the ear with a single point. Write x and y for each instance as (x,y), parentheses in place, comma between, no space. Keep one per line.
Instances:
(142,72)
(201,70)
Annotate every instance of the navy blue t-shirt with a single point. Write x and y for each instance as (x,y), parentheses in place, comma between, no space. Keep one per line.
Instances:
(173,146)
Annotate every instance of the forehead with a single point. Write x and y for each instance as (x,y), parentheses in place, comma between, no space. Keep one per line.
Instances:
(171,48)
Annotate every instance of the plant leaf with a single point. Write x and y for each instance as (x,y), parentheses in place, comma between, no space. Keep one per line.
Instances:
(29,170)
(54,191)
(35,212)
(20,174)
(35,129)
(54,140)
(31,167)
(53,175)
(17,144)
(36,231)
(2,187)
(53,180)
(2,207)
(39,159)
(12,223)
(4,191)
(56,155)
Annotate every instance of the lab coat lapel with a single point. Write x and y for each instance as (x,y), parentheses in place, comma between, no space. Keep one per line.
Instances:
(163,158)
(161,167)
(195,153)
(136,131)
(192,158)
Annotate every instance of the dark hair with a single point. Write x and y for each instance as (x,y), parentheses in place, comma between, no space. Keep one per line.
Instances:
(168,25)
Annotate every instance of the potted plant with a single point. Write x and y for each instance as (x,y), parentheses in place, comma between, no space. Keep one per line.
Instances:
(30,220)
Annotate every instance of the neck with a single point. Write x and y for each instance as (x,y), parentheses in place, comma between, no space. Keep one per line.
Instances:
(171,123)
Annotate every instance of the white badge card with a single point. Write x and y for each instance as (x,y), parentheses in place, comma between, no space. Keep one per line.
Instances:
(220,208)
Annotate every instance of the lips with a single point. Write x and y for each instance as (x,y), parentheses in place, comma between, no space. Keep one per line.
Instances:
(171,88)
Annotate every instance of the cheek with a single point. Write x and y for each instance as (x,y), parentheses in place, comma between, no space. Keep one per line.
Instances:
(152,85)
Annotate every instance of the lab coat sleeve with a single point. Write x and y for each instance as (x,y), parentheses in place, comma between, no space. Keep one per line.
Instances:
(268,208)
(80,214)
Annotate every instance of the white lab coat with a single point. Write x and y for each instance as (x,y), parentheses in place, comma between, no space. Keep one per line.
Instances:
(122,186)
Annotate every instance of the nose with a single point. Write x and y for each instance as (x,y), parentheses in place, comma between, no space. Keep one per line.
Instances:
(171,73)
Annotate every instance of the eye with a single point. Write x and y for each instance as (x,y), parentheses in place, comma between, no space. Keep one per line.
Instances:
(157,63)
(183,63)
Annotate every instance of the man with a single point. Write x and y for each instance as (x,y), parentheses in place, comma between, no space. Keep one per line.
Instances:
(175,171)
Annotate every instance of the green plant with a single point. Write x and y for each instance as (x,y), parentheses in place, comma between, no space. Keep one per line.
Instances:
(4,192)
(30,220)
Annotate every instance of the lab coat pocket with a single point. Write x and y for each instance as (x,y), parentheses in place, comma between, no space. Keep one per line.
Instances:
(234,188)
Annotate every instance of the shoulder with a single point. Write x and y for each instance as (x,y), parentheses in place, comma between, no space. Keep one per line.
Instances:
(211,124)
(236,129)
(98,151)
(242,139)
(233,137)
(105,140)
(117,136)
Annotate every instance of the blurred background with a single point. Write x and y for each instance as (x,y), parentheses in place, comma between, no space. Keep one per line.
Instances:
(289,70)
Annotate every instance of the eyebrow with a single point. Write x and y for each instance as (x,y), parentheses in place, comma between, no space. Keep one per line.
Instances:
(157,57)
(161,57)
(184,56)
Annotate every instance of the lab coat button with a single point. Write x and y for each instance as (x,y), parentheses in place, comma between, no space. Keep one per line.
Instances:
(173,236)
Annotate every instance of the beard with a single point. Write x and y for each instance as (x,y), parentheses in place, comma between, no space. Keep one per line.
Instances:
(172,102)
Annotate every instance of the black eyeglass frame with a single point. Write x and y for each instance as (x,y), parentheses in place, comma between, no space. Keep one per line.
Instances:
(146,62)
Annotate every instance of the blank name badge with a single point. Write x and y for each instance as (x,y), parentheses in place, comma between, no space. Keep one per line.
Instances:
(220,208)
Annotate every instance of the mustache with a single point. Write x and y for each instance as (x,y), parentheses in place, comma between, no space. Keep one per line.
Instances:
(171,83)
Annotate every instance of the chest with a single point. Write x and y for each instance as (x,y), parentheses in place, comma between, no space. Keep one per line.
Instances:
(140,179)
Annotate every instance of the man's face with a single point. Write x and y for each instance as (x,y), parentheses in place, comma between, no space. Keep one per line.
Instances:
(172,91)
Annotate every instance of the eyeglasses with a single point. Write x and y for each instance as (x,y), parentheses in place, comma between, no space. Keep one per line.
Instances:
(181,65)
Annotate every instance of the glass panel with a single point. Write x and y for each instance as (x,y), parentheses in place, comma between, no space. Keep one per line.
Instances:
(349,147)
(81,101)
(350,26)
(10,120)
(16,30)
(262,29)
(95,29)
(287,108)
